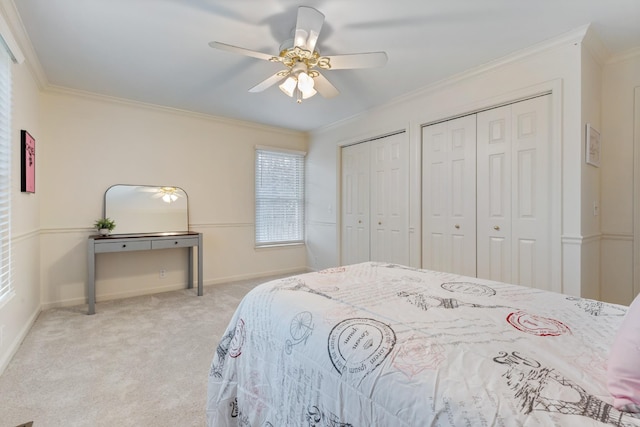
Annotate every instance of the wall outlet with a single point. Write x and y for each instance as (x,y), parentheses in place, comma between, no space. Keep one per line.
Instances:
(163,273)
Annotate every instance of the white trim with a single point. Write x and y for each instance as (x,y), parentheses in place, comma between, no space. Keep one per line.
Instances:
(12,349)
(575,36)
(594,45)
(628,237)
(572,240)
(284,245)
(10,42)
(169,288)
(625,56)
(280,150)
(170,110)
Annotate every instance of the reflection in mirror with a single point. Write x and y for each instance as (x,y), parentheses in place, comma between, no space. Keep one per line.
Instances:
(144,209)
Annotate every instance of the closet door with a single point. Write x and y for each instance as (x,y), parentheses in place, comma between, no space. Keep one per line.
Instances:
(390,199)
(494,193)
(513,215)
(355,204)
(449,196)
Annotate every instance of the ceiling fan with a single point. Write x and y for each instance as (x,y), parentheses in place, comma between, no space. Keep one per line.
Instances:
(168,194)
(300,78)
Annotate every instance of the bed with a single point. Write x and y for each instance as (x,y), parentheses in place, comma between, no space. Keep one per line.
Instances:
(378,344)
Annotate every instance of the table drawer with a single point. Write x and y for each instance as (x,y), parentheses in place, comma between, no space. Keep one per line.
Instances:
(179,242)
(129,245)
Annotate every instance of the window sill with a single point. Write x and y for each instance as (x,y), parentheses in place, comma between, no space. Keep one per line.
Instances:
(278,245)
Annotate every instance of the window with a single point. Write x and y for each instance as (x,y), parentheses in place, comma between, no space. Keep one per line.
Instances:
(279,197)
(5,175)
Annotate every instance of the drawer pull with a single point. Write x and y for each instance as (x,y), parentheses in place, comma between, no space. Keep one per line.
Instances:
(124,245)
(175,243)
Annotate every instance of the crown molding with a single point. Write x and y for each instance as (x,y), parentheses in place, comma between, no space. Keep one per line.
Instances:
(594,45)
(576,35)
(76,93)
(630,54)
(14,22)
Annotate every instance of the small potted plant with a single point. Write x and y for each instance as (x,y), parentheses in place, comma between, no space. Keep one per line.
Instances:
(105,225)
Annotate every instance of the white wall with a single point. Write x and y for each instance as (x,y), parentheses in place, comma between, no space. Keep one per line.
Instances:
(555,66)
(90,143)
(620,76)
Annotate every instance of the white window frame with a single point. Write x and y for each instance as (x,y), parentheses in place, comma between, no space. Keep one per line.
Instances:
(270,200)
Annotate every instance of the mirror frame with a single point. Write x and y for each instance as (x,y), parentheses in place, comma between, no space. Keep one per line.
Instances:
(160,230)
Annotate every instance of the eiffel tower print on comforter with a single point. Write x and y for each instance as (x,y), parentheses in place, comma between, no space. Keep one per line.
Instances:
(378,344)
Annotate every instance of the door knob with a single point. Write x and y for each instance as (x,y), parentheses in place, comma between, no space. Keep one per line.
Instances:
(496,227)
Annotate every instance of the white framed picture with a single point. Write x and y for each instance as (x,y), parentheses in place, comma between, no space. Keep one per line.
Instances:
(592,148)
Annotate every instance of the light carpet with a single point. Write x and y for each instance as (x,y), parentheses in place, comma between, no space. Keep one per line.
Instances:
(139,361)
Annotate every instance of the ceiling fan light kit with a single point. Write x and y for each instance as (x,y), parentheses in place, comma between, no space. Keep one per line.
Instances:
(300,57)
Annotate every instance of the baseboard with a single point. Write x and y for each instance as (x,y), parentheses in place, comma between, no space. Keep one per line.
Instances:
(264,274)
(118,295)
(15,345)
(173,287)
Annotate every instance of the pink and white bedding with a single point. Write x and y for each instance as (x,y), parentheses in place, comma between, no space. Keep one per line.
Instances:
(378,344)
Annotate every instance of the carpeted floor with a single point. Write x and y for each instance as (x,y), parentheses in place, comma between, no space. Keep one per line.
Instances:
(139,361)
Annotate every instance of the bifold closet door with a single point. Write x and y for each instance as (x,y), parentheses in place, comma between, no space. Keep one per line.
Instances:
(390,199)
(375,201)
(513,215)
(355,204)
(449,196)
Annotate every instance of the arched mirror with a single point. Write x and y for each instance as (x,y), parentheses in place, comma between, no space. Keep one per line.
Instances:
(145,209)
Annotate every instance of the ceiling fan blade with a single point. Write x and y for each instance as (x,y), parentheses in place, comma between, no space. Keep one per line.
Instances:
(324,86)
(268,82)
(308,28)
(240,50)
(356,60)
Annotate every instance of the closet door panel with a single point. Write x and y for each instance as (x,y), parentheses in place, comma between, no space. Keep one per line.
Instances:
(434,205)
(513,193)
(449,171)
(494,194)
(355,204)
(390,200)
(531,216)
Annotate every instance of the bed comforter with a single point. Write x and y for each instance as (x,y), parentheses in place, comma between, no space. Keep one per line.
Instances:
(377,344)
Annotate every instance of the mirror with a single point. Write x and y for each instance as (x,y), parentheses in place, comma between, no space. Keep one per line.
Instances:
(145,209)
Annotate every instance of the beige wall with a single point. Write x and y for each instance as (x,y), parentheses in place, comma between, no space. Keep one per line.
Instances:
(620,76)
(591,100)
(20,311)
(91,143)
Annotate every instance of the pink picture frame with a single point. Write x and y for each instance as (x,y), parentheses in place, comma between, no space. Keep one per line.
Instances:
(28,160)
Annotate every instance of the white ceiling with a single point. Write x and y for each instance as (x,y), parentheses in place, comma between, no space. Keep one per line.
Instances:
(156,51)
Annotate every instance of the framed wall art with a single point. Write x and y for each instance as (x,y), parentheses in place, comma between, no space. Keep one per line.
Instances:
(592,148)
(28,160)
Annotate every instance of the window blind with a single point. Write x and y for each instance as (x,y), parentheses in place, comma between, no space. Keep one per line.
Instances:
(279,197)
(5,175)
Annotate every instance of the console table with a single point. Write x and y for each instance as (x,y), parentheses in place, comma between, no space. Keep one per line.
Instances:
(141,242)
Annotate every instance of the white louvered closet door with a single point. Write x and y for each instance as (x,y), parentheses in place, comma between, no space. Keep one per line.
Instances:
(449,196)
(355,204)
(513,215)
